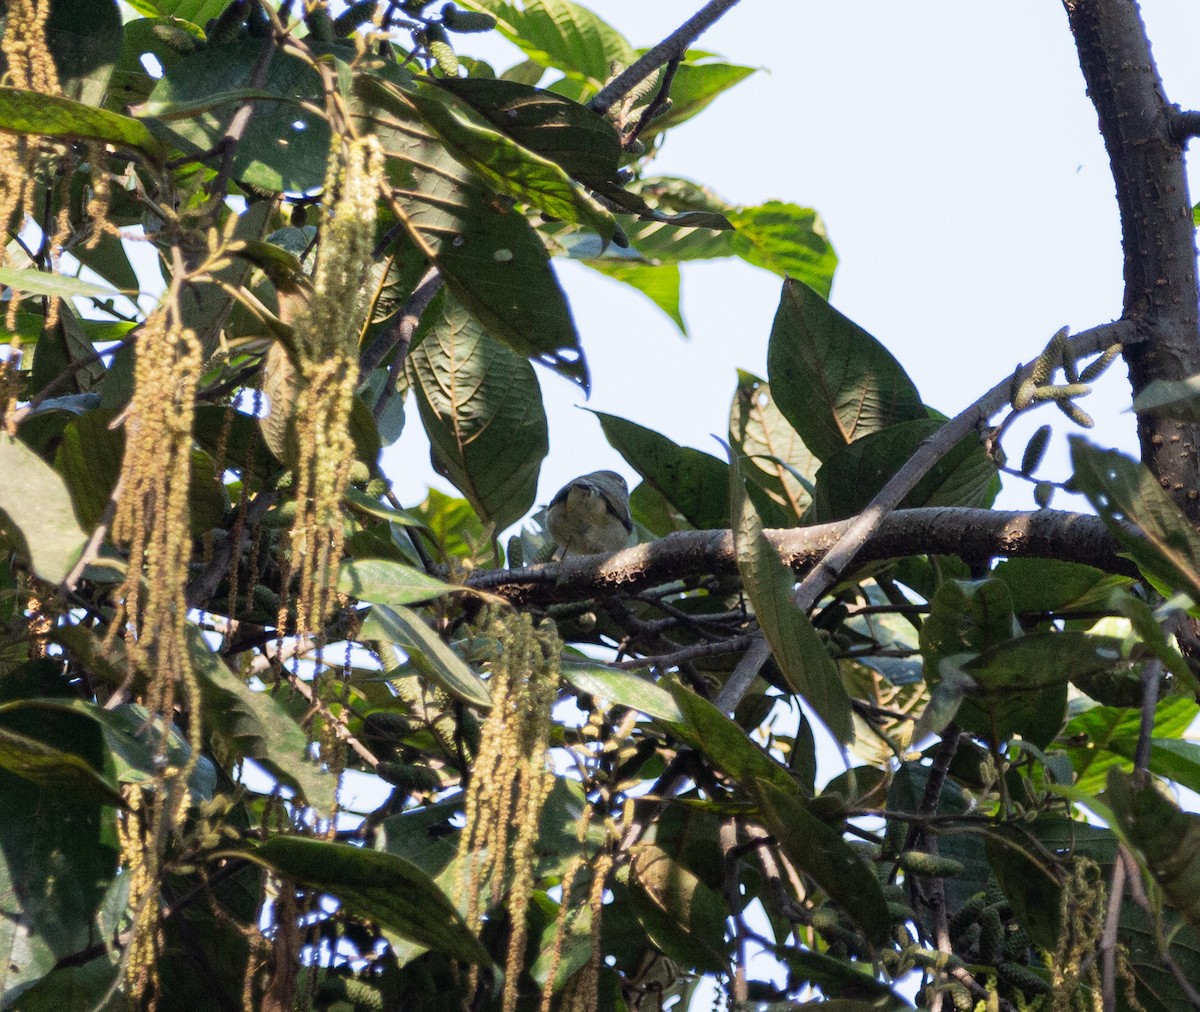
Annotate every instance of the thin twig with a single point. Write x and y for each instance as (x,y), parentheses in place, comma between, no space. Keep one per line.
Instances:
(397,339)
(1108,940)
(1151,680)
(671,48)
(660,99)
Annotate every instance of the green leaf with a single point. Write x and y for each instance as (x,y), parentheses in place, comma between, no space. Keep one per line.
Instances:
(84,37)
(197,11)
(433,658)
(658,282)
(623,688)
(382,581)
(774,457)
(832,380)
(726,744)
(1167,837)
(682,916)
(30,112)
(1021,685)
(376,885)
(802,658)
(1121,489)
(490,258)
(37,282)
(372,507)
(1051,585)
(694,87)
(53,769)
(966,617)
(819,851)
(1093,739)
(786,239)
(255,725)
(696,484)
(482,408)
(850,478)
(37,502)
(563,35)
(284,146)
(508,167)
(1178,399)
(569,134)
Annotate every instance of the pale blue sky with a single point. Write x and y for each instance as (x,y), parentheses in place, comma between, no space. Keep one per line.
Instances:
(952,151)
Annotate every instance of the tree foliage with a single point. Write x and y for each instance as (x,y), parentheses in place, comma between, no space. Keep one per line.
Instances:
(272,739)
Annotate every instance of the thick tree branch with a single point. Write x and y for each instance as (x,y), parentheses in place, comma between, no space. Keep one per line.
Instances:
(671,48)
(1145,151)
(975,533)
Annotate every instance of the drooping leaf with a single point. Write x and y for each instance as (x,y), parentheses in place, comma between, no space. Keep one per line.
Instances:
(820,851)
(851,476)
(695,484)
(582,142)
(376,885)
(658,282)
(682,916)
(832,380)
(29,112)
(41,283)
(38,506)
(433,658)
(795,644)
(1120,489)
(621,687)
(382,581)
(482,408)
(507,166)
(487,253)
(1167,837)
(255,725)
(774,456)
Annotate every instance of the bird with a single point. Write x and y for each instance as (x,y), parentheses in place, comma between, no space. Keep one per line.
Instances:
(590,514)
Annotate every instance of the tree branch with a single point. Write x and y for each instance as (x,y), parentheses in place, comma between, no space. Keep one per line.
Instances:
(671,48)
(867,523)
(1140,130)
(942,530)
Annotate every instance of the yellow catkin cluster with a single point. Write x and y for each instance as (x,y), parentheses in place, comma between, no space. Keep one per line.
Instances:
(1075,978)
(139,861)
(152,517)
(327,340)
(509,781)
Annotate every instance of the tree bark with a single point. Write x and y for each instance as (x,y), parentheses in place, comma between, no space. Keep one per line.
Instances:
(1145,151)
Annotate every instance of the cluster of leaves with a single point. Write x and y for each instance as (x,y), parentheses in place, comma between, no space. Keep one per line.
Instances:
(1033,712)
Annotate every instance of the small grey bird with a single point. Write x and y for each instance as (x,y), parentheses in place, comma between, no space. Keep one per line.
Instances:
(590,514)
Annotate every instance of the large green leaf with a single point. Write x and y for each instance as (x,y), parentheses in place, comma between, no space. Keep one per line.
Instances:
(820,851)
(1054,585)
(37,503)
(966,616)
(376,885)
(795,645)
(563,35)
(695,484)
(851,476)
(786,239)
(1120,489)
(256,725)
(481,406)
(658,282)
(84,37)
(284,146)
(507,166)
(621,687)
(773,456)
(382,581)
(682,916)
(432,657)
(832,380)
(490,258)
(59,856)
(582,142)
(29,112)
(1167,837)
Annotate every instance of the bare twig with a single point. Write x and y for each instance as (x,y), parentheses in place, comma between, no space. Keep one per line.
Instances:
(660,99)
(1151,680)
(671,48)
(1108,940)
